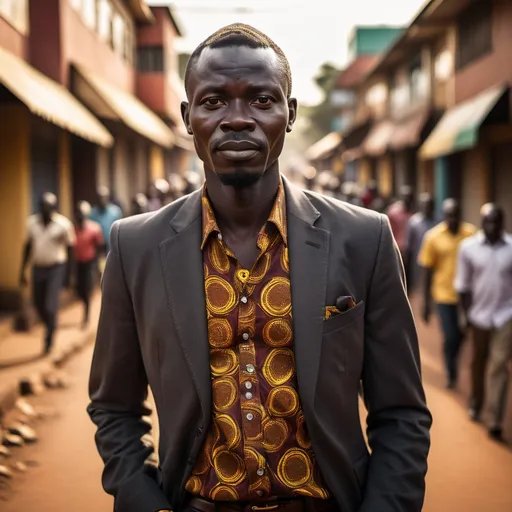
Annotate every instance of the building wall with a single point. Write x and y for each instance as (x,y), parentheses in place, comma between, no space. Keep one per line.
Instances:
(475,183)
(81,45)
(12,41)
(14,196)
(494,68)
(502,181)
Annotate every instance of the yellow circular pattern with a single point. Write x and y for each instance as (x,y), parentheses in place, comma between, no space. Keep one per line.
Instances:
(218,257)
(276,298)
(253,458)
(224,393)
(223,493)
(260,269)
(279,366)
(285,262)
(223,362)
(220,332)
(277,332)
(283,401)
(220,295)
(275,433)
(193,485)
(302,436)
(315,491)
(261,484)
(206,272)
(230,430)
(229,467)
(294,468)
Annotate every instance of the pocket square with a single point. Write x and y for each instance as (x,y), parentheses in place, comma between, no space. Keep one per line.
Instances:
(343,304)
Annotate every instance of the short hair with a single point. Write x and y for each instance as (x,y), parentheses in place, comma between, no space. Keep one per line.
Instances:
(239,34)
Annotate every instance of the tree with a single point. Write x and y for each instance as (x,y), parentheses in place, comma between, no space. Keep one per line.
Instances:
(321,116)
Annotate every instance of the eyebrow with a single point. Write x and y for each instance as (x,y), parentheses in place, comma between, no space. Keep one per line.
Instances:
(251,88)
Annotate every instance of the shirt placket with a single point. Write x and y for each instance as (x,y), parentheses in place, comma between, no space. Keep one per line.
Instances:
(250,398)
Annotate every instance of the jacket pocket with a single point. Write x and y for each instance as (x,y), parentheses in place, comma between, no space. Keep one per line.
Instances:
(343,319)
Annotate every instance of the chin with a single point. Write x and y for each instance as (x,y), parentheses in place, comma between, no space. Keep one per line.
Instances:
(239,178)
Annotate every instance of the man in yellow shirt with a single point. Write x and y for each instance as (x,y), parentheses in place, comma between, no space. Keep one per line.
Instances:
(438,255)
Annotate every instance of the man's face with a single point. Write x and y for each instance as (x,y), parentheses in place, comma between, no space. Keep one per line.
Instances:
(492,224)
(238,112)
(452,218)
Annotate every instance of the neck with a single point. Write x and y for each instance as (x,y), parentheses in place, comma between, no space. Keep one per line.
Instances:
(244,209)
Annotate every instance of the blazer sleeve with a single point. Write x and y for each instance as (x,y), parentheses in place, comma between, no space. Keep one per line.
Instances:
(398,418)
(118,389)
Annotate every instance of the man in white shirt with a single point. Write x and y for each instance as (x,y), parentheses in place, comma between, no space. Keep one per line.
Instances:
(50,240)
(484,284)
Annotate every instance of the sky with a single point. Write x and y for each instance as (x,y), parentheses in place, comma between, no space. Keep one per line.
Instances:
(310,32)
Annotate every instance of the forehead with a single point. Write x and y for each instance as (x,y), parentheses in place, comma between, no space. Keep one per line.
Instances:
(237,64)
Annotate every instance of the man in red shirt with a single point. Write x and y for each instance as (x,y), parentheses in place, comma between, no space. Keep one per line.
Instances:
(89,241)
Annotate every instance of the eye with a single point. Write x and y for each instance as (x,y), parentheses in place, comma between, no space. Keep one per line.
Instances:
(212,103)
(263,101)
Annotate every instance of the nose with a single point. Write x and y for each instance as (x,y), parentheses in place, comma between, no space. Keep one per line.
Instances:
(237,118)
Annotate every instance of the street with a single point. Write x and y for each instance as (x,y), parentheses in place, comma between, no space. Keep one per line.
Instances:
(467,471)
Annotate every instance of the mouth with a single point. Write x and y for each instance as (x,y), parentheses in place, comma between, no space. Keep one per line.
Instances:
(238,150)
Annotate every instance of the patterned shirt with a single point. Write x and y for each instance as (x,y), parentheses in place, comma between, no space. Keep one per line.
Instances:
(258,445)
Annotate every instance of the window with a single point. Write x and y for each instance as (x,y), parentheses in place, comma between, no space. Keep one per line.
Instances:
(418,81)
(118,34)
(89,13)
(474,33)
(150,59)
(105,20)
(76,4)
(15,12)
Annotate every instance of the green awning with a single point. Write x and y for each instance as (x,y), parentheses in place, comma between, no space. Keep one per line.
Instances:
(458,129)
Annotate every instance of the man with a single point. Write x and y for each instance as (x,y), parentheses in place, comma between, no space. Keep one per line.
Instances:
(253,309)
(484,282)
(89,243)
(417,227)
(399,214)
(105,213)
(438,256)
(157,194)
(50,240)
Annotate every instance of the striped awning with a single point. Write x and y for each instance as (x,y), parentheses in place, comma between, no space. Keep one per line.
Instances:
(459,128)
(50,100)
(110,102)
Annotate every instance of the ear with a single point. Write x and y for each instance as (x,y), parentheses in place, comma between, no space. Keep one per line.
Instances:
(292,113)
(185,116)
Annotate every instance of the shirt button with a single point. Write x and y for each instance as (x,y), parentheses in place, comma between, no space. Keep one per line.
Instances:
(259,492)
(250,417)
(219,236)
(260,472)
(248,395)
(250,368)
(244,300)
(245,336)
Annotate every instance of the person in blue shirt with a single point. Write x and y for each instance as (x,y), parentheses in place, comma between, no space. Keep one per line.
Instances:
(105,213)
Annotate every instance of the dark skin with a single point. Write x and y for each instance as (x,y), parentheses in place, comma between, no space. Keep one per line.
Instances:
(239,113)
(452,217)
(493,222)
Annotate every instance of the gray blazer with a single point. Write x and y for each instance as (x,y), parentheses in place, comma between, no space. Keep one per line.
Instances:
(153,330)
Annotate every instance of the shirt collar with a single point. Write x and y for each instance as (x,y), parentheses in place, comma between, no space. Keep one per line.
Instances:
(277,216)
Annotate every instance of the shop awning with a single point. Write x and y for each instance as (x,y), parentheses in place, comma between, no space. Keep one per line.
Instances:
(458,128)
(377,141)
(108,101)
(182,139)
(323,147)
(49,100)
(407,133)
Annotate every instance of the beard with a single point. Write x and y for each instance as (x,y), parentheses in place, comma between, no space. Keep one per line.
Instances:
(240,179)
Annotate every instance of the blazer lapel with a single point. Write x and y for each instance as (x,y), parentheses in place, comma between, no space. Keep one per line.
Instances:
(309,254)
(182,262)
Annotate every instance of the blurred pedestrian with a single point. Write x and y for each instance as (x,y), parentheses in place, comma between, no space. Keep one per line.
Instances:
(484,283)
(350,193)
(139,204)
(157,194)
(438,257)
(105,213)
(417,227)
(89,243)
(399,214)
(197,303)
(49,246)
